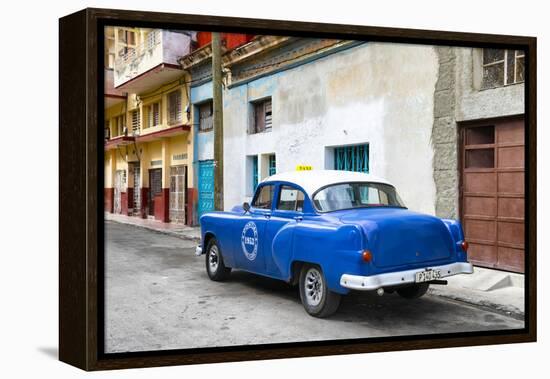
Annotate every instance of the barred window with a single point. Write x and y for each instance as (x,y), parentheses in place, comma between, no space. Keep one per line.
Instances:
(205,117)
(174,107)
(352,158)
(502,67)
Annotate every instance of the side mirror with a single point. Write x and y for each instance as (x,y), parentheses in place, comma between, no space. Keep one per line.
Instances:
(246,206)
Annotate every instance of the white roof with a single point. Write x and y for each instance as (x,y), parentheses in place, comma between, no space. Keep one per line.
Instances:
(312,180)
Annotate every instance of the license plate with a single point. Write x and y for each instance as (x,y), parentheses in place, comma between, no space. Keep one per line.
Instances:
(428,275)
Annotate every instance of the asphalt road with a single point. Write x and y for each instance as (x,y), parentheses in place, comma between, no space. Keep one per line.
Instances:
(158,296)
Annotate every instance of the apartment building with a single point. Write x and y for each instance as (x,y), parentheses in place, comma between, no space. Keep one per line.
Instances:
(148,134)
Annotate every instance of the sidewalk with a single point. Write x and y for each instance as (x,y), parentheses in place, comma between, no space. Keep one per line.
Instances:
(497,290)
(175,230)
(494,289)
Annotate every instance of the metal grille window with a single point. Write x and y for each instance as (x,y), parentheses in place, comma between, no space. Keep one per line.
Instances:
(155,188)
(137,190)
(136,122)
(152,39)
(272,165)
(205,117)
(153,115)
(502,67)
(262,116)
(177,194)
(174,107)
(352,158)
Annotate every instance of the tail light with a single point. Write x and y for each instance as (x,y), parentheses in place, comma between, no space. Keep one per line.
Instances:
(465,246)
(367,256)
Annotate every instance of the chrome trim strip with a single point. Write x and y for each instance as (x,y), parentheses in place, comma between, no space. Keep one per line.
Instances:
(369,283)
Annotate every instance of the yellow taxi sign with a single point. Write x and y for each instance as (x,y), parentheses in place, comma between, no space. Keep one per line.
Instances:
(303,167)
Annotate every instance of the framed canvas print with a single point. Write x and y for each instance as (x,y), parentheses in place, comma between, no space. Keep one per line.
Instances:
(241,189)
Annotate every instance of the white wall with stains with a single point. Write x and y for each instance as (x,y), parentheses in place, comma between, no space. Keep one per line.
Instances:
(376,93)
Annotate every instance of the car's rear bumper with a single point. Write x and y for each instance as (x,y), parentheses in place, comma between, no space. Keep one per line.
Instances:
(198,250)
(373,282)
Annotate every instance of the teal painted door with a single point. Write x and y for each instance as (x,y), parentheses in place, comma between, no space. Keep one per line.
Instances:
(254,173)
(206,187)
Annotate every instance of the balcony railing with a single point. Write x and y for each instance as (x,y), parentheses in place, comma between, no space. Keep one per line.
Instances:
(133,52)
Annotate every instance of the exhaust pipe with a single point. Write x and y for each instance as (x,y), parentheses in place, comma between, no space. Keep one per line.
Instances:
(380,291)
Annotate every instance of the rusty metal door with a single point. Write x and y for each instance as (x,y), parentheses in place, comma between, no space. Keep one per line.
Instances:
(493,194)
(177,194)
(137,190)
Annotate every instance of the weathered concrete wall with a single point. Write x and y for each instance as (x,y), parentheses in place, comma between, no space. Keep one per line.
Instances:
(445,166)
(458,98)
(375,93)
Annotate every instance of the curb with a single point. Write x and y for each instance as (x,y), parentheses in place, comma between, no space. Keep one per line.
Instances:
(160,231)
(507,310)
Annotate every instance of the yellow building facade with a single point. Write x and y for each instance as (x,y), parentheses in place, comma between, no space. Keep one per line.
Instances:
(148,153)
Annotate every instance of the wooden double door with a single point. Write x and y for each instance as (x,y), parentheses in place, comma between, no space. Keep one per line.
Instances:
(493,192)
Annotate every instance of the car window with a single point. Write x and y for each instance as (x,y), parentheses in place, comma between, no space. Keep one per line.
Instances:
(356,195)
(264,198)
(291,199)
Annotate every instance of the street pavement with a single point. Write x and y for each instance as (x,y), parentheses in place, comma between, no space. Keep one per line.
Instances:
(158,296)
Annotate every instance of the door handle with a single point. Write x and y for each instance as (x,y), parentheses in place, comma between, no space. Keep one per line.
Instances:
(267,215)
(298,218)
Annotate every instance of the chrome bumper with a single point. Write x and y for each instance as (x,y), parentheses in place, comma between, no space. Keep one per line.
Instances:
(198,250)
(368,283)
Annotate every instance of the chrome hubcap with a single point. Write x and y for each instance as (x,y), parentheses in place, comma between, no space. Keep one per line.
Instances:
(213,259)
(313,287)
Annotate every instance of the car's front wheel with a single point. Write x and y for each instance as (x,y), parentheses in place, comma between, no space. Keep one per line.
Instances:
(317,299)
(214,262)
(414,291)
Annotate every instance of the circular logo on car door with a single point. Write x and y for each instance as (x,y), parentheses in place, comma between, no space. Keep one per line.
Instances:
(249,240)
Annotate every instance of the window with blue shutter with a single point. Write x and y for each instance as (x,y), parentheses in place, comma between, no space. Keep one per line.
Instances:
(272,165)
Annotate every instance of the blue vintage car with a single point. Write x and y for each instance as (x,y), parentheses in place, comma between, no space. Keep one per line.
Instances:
(332,232)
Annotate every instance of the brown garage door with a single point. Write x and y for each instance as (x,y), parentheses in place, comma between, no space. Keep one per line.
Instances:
(492,193)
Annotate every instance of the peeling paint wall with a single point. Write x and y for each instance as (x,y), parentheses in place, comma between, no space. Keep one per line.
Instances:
(375,93)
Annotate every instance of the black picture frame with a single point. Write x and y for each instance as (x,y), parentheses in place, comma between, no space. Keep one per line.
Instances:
(81,189)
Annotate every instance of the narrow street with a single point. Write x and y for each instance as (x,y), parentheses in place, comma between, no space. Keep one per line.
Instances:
(158,296)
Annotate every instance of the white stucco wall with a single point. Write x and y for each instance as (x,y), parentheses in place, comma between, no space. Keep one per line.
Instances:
(375,93)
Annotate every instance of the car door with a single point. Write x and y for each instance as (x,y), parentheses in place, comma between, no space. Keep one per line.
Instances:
(288,208)
(249,237)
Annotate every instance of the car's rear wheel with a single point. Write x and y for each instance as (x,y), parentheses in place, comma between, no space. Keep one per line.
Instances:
(317,299)
(414,291)
(214,262)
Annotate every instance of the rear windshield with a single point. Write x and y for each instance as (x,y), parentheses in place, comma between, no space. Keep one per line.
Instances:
(356,195)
